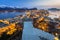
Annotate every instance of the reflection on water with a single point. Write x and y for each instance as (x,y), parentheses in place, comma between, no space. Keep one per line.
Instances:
(10,15)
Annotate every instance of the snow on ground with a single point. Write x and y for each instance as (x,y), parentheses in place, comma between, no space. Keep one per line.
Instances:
(54,14)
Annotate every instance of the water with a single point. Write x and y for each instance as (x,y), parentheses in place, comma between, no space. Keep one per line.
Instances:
(53,14)
(31,33)
(10,15)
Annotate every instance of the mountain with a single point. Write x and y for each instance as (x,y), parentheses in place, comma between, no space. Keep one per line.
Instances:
(11,8)
(54,9)
(6,8)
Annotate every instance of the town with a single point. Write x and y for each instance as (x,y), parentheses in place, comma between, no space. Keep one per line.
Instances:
(14,26)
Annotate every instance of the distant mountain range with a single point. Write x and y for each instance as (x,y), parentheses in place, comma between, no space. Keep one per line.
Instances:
(11,8)
(54,9)
(20,9)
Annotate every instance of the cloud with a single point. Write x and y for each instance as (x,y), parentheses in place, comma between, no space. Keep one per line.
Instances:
(48,3)
(52,2)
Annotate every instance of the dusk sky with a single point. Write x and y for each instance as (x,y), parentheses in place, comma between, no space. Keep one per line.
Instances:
(31,3)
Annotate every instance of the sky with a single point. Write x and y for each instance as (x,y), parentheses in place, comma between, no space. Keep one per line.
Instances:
(31,3)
